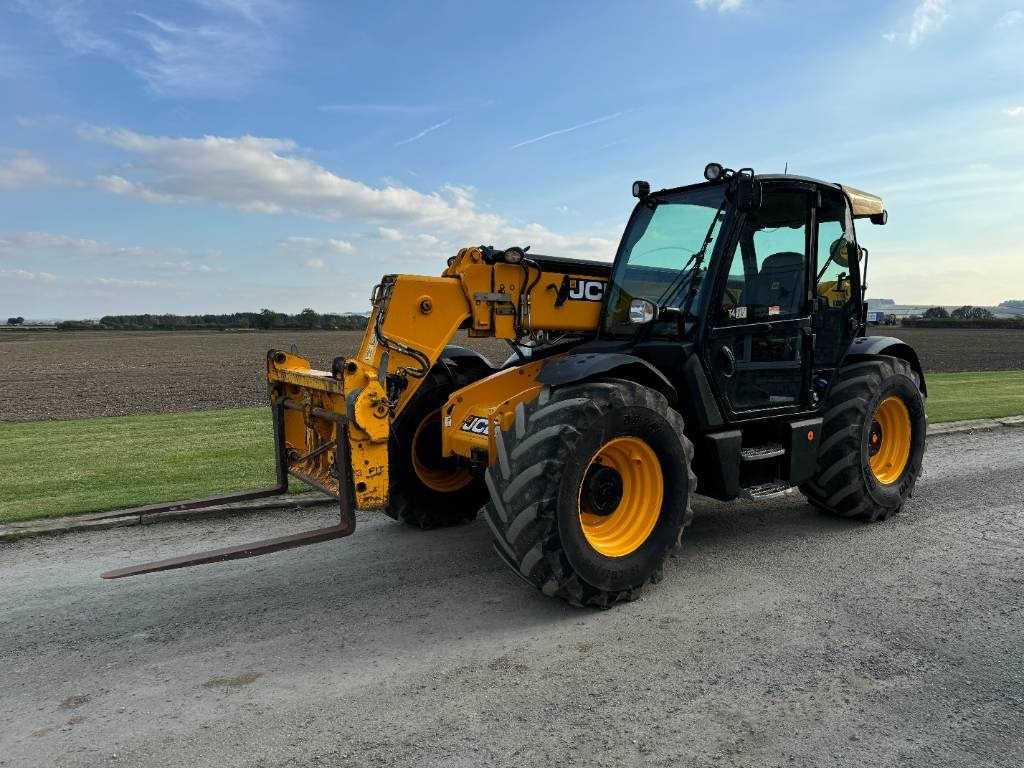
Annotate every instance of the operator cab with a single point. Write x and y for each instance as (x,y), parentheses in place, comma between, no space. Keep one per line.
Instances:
(746,291)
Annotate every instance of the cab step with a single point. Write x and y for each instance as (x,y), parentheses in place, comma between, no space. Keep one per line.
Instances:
(759,452)
(765,490)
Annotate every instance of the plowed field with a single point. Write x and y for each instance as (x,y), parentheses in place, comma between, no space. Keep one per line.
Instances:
(54,375)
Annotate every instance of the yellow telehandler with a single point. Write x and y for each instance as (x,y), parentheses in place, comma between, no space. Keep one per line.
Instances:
(723,350)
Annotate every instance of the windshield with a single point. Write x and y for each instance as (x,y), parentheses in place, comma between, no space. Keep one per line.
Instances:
(664,249)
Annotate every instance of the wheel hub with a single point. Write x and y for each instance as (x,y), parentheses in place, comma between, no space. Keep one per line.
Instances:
(889,440)
(603,490)
(620,496)
(875,438)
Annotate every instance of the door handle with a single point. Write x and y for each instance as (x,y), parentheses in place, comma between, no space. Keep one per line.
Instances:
(726,362)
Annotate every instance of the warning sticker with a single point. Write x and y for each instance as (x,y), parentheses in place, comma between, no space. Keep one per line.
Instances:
(774,309)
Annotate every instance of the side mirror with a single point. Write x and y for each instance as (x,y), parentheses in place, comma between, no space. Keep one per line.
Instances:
(642,311)
(748,194)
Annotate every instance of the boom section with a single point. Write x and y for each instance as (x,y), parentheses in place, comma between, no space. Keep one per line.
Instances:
(413,319)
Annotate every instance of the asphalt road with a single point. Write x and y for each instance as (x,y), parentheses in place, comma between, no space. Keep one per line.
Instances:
(778,637)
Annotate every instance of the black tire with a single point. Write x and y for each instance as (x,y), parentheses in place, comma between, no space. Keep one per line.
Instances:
(426,490)
(539,499)
(848,482)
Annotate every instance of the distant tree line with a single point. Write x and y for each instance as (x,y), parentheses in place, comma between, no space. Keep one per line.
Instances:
(15,320)
(962,317)
(265,319)
(966,312)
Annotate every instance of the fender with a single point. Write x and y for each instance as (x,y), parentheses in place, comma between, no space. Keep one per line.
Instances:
(572,369)
(467,358)
(871,346)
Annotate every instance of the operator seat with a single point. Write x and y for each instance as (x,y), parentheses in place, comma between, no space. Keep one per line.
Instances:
(780,283)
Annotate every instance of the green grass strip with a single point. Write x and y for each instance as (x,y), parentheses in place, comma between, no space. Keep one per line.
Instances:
(56,468)
(981,395)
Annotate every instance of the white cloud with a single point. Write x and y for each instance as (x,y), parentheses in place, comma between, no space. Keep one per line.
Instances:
(315,263)
(1010,19)
(71,24)
(423,133)
(211,58)
(68,248)
(256,11)
(889,37)
(37,241)
(269,176)
(720,5)
(187,266)
(427,239)
(1014,111)
(299,243)
(25,276)
(543,241)
(928,17)
(118,282)
(225,48)
(24,169)
(570,129)
(340,246)
(272,176)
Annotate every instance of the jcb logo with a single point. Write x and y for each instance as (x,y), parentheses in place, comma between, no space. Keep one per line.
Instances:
(586,290)
(478,425)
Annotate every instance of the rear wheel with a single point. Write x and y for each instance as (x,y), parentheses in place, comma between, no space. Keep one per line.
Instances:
(591,491)
(426,489)
(872,442)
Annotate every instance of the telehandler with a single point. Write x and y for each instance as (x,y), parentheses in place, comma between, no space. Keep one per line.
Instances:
(723,350)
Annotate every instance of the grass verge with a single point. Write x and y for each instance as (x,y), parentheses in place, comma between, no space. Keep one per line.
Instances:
(56,468)
(981,395)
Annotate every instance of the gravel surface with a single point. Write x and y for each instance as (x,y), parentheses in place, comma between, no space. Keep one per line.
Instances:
(779,637)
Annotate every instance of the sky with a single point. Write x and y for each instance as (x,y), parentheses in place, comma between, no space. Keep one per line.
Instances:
(206,156)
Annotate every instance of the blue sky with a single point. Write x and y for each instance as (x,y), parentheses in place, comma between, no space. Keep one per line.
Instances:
(226,155)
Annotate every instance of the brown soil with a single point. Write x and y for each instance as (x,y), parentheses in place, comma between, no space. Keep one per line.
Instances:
(65,375)
(946,350)
(54,375)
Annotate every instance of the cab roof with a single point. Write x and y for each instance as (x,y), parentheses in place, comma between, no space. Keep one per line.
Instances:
(864,204)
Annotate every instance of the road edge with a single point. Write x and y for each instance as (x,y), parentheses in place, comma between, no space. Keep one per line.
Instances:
(10,532)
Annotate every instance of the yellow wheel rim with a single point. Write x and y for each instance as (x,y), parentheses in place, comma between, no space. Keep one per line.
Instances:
(427,461)
(620,496)
(889,440)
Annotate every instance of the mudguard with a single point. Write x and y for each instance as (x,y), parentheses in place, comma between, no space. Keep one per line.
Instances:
(572,369)
(467,357)
(870,346)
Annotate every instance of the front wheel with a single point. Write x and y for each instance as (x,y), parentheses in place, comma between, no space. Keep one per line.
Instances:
(872,441)
(428,490)
(591,491)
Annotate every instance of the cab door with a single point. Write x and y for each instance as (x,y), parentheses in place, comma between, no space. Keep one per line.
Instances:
(758,343)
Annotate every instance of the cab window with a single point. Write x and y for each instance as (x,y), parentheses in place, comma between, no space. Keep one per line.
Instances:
(768,275)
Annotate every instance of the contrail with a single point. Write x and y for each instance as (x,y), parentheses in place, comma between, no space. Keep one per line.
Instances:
(423,133)
(566,130)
